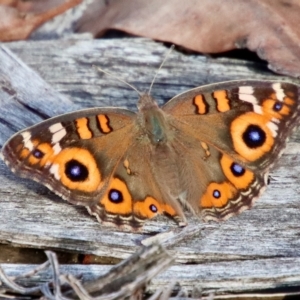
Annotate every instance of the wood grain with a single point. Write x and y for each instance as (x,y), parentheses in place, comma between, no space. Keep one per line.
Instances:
(259,249)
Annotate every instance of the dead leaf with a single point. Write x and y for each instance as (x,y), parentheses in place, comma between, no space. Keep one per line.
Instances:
(37,6)
(9,2)
(18,25)
(268,27)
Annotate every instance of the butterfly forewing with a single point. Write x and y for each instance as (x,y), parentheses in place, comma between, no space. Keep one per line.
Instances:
(71,154)
(249,120)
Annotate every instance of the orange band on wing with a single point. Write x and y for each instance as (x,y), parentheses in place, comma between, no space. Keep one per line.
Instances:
(83,129)
(289,101)
(222,100)
(24,153)
(103,122)
(201,105)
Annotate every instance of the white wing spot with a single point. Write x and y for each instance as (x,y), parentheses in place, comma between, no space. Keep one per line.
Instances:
(257,109)
(248,98)
(246,94)
(279,91)
(273,127)
(56,148)
(247,89)
(55,171)
(27,140)
(275,120)
(58,132)
(55,127)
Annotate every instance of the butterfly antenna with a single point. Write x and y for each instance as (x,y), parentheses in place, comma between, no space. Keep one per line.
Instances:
(161,65)
(118,78)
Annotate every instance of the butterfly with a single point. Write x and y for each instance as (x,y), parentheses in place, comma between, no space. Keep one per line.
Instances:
(208,150)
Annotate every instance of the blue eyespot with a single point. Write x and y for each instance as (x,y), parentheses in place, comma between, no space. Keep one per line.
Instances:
(76,171)
(38,153)
(115,196)
(277,106)
(237,170)
(254,136)
(216,194)
(153,208)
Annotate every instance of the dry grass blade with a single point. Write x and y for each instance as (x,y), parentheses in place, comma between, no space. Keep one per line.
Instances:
(175,236)
(127,279)
(76,286)
(130,275)
(39,268)
(52,262)
(10,284)
(57,294)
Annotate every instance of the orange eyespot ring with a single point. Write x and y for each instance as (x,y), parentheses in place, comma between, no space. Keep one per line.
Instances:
(251,136)
(118,199)
(78,170)
(235,173)
(217,195)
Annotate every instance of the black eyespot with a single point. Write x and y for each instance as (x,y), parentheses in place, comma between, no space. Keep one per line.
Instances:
(115,196)
(153,208)
(254,136)
(237,170)
(38,153)
(76,171)
(216,194)
(277,106)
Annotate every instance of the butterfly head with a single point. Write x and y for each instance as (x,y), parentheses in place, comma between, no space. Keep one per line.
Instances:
(153,119)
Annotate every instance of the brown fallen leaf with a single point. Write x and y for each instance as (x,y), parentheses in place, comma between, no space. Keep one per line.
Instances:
(18,25)
(268,27)
(9,2)
(38,6)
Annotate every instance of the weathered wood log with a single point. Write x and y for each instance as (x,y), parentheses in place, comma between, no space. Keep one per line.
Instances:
(258,249)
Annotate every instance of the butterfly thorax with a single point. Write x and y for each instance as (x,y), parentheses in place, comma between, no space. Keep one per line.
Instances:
(152,120)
